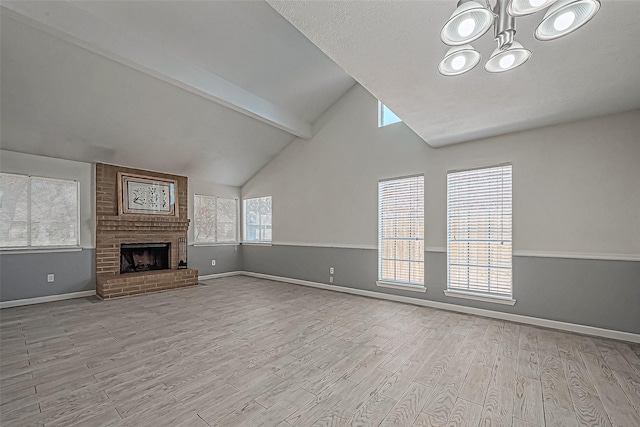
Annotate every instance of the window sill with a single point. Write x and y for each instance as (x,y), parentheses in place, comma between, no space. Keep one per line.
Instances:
(403,286)
(480,297)
(216,244)
(44,250)
(256,243)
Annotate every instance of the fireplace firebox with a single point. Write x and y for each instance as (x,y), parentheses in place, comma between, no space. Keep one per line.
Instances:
(136,257)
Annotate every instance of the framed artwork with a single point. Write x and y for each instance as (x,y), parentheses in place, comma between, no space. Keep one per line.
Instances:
(144,195)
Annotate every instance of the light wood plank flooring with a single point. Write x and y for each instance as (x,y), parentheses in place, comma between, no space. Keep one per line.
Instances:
(248,352)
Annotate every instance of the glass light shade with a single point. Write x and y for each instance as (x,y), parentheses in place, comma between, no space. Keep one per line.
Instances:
(459,60)
(468,22)
(505,60)
(565,17)
(527,7)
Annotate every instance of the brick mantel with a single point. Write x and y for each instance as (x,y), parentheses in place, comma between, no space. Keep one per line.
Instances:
(140,223)
(112,230)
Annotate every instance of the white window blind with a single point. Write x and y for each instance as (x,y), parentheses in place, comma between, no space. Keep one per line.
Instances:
(227,220)
(204,219)
(401,230)
(479,222)
(257,220)
(215,219)
(38,212)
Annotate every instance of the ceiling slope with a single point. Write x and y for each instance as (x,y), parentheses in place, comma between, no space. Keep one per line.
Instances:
(73,24)
(247,43)
(393,50)
(67,90)
(59,100)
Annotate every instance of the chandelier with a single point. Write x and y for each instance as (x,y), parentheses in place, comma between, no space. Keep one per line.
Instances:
(471,20)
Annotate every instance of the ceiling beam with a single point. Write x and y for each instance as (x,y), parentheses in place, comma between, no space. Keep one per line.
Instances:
(75,25)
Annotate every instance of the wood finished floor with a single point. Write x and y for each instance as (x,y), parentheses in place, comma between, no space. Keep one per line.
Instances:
(250,352)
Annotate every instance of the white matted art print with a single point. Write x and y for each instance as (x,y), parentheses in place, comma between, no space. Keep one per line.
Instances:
(143,195)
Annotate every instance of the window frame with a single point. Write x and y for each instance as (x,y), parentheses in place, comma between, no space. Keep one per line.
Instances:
(216,241)
(244,222)
(381,116)
(29,248)
(395,284)
(508,299)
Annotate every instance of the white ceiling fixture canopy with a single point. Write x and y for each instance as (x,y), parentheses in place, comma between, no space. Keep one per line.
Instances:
(562,18)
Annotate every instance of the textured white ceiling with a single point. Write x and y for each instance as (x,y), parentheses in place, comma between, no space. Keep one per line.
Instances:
(393,49)
(61,100)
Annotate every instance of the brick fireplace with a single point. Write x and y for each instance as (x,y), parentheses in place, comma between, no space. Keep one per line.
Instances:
(129,248)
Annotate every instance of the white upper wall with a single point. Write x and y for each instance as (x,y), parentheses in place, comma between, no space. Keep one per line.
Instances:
(575,185)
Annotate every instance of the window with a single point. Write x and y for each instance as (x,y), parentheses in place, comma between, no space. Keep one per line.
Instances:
(479,231)
(386,116)
(215,219)
(401,231)
(227,220)
(257,220)
(38,212)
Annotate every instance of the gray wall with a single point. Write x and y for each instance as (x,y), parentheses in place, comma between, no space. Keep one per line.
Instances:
(228,258)
(25,275)
(604,294)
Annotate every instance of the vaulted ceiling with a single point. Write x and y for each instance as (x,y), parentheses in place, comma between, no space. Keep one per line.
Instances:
(216,89)
(393,49)
(213,90)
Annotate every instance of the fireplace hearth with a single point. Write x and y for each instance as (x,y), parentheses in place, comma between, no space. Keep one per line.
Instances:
(137,257)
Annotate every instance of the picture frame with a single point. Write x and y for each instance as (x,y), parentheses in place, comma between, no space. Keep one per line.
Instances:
(145,195)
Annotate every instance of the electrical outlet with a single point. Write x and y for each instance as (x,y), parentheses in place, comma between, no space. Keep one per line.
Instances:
(330,270)
(213,262)
(330,279)
(50,277)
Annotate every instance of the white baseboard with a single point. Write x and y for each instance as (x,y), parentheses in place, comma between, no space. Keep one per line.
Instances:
(553,324)
(219,275)
(39,300)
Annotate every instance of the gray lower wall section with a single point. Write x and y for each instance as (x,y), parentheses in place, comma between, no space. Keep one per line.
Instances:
(600,293)
(604,294)
(25,275)
(228,258)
